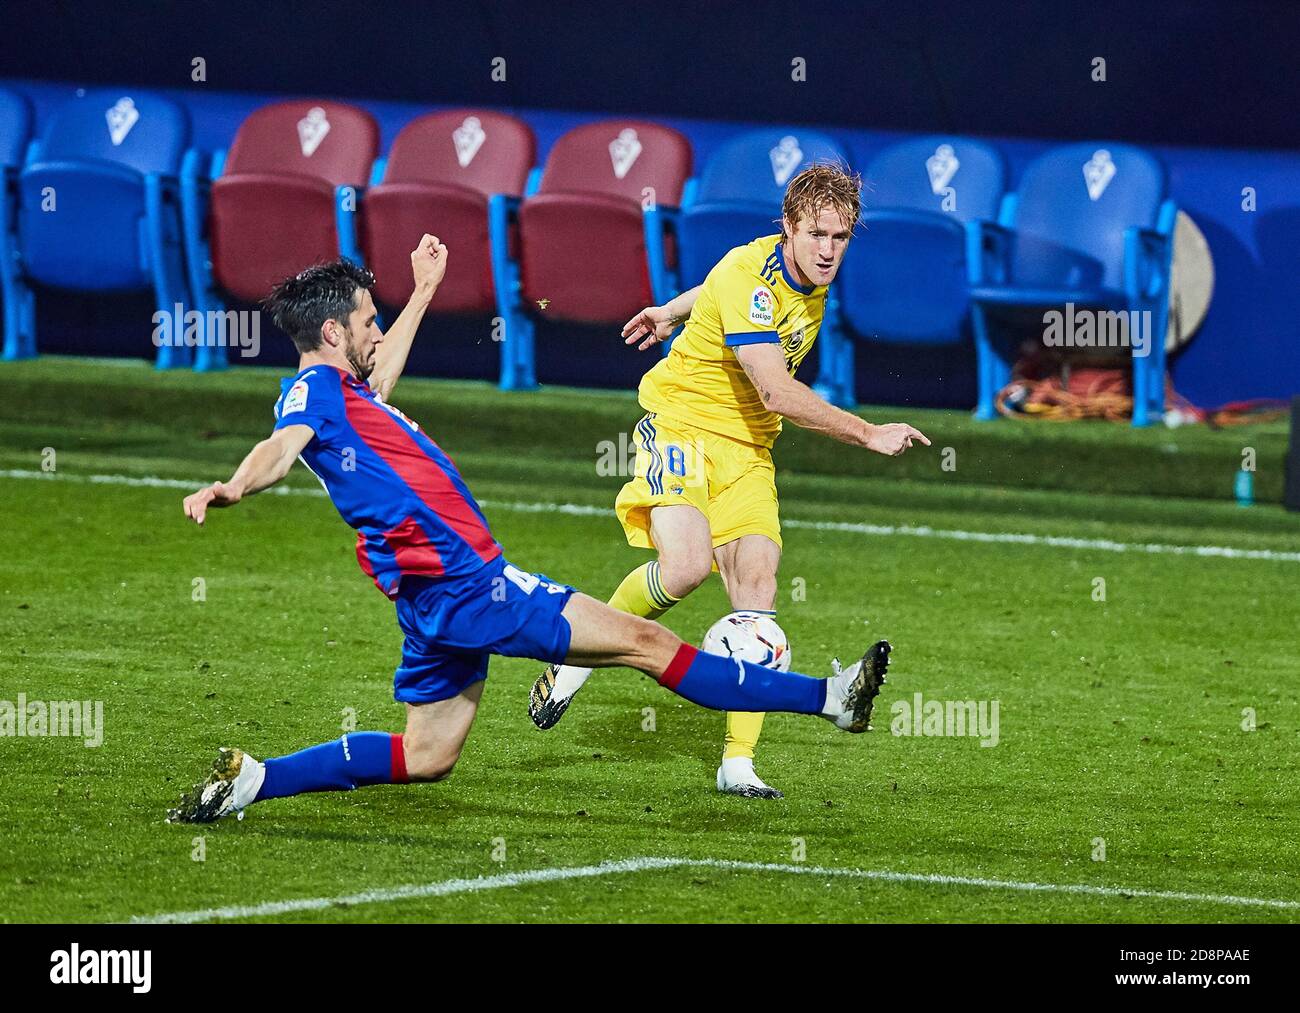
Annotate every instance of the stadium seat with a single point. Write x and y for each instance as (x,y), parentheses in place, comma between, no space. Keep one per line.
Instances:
(15,135)
(736,199)
(438,177)
(98,210)
(582,251)
(283,197)
(1091,225)
(904,280)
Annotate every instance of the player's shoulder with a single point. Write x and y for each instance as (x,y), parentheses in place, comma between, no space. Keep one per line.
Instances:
(756,259)
(311,389)
(748,268)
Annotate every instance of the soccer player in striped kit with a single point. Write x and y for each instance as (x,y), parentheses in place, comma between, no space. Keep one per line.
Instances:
(425,543)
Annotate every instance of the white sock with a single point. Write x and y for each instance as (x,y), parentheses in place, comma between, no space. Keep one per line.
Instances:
(834,705)
(740,770)
(569,679)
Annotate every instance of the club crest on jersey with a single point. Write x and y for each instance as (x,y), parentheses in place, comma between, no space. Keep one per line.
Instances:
(121,118)
(1098,171)
(795,341)
(312,129)
(295,400)
(623,151)
(761,306)
(941,167)
(468,138)
(786,157)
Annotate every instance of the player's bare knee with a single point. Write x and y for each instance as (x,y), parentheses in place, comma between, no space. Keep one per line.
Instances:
(683,572)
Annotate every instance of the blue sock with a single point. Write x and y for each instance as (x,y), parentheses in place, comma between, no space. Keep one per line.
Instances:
(353,761)
(711,680)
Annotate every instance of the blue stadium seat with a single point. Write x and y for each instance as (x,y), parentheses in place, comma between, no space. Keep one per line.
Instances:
(904,279)
(15,135)
(1091,225)
(736,199)
(99,210)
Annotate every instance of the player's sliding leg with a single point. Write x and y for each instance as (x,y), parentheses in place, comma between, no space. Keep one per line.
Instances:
(684,563)
(748,567)
(604,637)
(426,751)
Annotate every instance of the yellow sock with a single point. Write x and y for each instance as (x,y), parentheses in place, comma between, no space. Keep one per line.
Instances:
(743,729)
(642,593)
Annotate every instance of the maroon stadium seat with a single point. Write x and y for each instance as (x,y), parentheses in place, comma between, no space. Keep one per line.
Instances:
(582,240)
(273,208)
(441,171)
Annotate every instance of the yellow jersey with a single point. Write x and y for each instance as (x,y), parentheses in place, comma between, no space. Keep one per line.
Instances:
(748,298)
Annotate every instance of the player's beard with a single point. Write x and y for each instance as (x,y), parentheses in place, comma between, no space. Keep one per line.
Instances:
(361,367)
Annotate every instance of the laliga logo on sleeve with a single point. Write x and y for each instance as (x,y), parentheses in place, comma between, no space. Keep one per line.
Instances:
(942,166)
(1098,171)
(785,157)
(623,151)
(468,138)
(121,118)
(312,129)
(295,400)
(760,307)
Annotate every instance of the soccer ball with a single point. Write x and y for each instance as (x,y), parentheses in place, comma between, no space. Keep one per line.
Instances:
(749,636)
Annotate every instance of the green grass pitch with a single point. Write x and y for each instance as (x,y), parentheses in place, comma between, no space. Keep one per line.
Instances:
(1123,720)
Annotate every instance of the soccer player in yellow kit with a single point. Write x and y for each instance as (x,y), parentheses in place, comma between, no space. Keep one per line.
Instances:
(704,493)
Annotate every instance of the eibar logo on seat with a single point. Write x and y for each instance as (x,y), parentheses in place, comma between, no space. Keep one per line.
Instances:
(312,129)
(76,966)
(468,138)
(786,157)
(623,151)
(941,167)
(121,118)
(1098,171)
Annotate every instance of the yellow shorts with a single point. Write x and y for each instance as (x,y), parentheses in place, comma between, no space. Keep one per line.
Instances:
(731,482)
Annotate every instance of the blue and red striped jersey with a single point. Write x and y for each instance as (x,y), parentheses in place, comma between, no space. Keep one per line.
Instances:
(411,509)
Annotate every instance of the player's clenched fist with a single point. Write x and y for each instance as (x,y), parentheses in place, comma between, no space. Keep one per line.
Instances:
(429,263)
(218,494)
(893,438)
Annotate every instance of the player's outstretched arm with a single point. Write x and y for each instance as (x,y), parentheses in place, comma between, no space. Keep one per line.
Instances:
(781,393)
(266,464)
(657,323)
(428,265)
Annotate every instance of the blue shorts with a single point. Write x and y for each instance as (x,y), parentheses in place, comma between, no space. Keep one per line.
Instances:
(454,626)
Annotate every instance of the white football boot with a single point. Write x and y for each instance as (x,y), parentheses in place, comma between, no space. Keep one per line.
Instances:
(852,691)
(736,777)
(235,780)
(553,692)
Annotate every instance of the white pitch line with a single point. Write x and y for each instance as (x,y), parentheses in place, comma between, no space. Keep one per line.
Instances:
(449,887)
(847,527)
